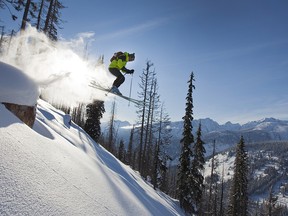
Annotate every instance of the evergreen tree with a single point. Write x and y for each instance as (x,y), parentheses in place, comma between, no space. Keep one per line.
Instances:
(121,151)
(184,185)
(40,11)
(164,139)
(111,130)
(196,176)
(212,182)
(155,167)
(30,8)
(221,210)
(238,203)
(130,148)
(78,115)
(53,20)
(94,113)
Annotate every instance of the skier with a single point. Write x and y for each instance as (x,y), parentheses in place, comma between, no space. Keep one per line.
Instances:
(118,62)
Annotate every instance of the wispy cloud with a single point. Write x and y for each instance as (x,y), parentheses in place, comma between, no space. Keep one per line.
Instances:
(240,50)
(142,27)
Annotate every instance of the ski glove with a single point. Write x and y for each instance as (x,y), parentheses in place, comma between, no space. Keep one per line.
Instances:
(127,71)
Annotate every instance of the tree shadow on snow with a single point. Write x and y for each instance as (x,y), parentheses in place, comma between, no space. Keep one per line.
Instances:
(41,129)
(150,203)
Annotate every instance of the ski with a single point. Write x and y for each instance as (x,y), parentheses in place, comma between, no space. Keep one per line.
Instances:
(93,84)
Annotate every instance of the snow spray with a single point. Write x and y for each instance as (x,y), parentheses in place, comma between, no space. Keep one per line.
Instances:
(60,69)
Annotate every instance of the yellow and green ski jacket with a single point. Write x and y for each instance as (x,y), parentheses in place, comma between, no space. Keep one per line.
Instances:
(120,62)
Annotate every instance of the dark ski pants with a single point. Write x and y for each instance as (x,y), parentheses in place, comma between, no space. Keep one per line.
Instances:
(120,77)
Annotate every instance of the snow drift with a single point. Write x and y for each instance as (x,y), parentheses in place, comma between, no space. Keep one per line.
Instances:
(16,87)
(56,169)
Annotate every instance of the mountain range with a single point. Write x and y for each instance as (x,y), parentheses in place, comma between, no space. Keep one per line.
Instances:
(225,135)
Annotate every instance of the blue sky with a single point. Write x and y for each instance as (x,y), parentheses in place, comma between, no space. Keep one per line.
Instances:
(238,51)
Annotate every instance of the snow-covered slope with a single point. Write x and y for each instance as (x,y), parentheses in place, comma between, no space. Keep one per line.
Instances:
(56,169)
(16,87)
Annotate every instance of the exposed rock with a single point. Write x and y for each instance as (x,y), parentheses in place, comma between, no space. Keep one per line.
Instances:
(27,114)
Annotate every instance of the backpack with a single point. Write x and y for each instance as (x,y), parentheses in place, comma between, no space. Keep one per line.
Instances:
(116,56)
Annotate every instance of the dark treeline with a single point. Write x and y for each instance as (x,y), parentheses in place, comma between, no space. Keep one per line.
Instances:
(44,15)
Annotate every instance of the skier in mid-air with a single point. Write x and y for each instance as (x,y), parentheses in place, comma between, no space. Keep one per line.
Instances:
(118,63)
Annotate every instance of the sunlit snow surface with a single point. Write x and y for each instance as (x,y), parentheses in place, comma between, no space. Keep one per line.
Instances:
(56,169)
(16,87)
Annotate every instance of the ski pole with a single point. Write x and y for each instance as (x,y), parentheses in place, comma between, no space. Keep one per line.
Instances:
(130,88)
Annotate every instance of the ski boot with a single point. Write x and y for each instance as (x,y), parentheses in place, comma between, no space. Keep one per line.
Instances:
(115,90)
